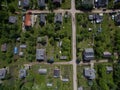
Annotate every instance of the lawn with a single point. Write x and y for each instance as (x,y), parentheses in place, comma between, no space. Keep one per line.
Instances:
(93,38)
(55,37)
(104,80)
(35,81)
(82,81)
(84,37)
(66,4)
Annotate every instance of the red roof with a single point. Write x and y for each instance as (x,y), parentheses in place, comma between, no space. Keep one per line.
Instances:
(27,20)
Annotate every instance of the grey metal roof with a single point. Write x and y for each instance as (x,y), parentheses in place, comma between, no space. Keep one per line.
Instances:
(109,68)
(22,73)
(89,73)
(58,18)
(42,18)
(87,50)
(90,17)
(23,46)
(40,54)
(80,88)
(41,3)
(25,3)
(63,57)
(2,73)
(107,54)
(12,19)
(42,71)
(88,54)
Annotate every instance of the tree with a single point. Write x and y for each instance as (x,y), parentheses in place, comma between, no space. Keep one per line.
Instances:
(50,17)
(12,8)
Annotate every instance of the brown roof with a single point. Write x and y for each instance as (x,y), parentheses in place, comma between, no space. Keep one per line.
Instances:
(27,20)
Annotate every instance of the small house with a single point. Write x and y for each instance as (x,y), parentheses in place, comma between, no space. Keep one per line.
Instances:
(56,73)
(109,69)
(58,18)
(25,3)
(42,19)
(42,71)
(40,54)
(2,73)
(63,57)
(107,54)
(89,73)
(21,54)
(12,19)
(4,47)
(97,18)
(22,73)
(27,21)
(80,88)
(23,46)
(101,3)
(19,3)
(90,17)
(41,3)
(65,79)
(88,54)
(49,84)
(15,50)
(117,19)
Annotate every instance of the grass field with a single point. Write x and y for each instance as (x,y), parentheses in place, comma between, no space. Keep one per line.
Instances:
(85,38)
(35,81)
(82,81)
(66,4)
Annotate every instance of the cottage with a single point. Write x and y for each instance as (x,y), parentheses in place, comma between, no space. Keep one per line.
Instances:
(89,73)
(4,47)
(90,17)
(23,46)
(80,88)
(21,54)
(97,18)
(109,69)
(117,19)
(27,21)
(2,73)
(56,73)
(65,79)
(42,19)
(15,50)
(49,84)
(101,3)
(58,18)
(107,54)
(63,57)
(40,54)
(42,71)
(88,54)
(22,73)
(57,3)
(25,3)
(41,3)
(12,19)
